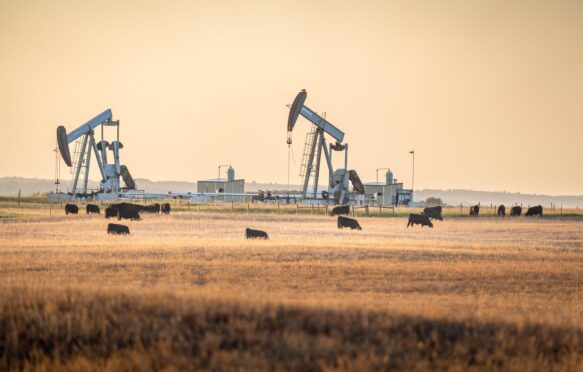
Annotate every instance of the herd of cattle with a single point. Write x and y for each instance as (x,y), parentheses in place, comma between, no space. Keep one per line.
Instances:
(121,211)
(431,213)
(132,212)
(339,211)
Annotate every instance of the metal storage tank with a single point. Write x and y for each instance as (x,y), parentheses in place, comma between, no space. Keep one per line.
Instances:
(389,177)
(230,174)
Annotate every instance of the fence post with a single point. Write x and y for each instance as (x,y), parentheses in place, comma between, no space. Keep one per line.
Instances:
(50,209)
(277,207)
(247,208)
(461,208)
(366,210)
(326,209)
(561,208)
(199,208)
(297,208)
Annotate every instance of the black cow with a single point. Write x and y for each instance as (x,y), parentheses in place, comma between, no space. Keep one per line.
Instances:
(516,211)
(534,211)
(433,213)
(252,234)
(71,208)
(340,209)
(110,212)
(165,208)
(475,210)
(92,208)
(501,211)
(348,222)
(127,207)
(419,219)
(117,229)
(153,208)
(128,215)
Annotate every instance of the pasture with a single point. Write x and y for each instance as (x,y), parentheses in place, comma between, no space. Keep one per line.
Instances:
(187,291)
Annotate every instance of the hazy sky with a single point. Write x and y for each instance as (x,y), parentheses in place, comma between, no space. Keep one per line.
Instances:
(488,93)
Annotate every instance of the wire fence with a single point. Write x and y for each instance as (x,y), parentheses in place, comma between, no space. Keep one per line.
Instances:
(282,208)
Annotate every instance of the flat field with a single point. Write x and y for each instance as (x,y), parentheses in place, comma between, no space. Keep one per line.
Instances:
(188,292)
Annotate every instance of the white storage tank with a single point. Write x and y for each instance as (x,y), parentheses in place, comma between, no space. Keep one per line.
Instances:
(389,177)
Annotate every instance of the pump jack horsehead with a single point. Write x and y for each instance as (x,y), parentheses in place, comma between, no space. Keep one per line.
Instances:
(338,179)
(110,173)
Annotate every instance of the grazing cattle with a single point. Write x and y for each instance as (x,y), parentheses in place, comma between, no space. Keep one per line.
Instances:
(117,229)
(153,208)
(516,211)
(348,222)
(128,215)
(71,208)
(501,211)
(165,208)
(252,234)
(419,219)
(110,212)
(92,208)
(475,210)
(340,209)
(433,213)
(127,207)
(534,211)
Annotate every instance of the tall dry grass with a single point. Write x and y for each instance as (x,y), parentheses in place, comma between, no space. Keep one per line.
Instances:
(187,291)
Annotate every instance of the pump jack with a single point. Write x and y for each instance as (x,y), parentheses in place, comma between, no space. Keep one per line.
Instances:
(338,179)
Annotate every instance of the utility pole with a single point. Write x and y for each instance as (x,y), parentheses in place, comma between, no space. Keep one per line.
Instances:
(412,152)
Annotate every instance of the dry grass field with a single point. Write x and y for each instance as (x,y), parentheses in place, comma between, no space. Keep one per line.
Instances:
(188,292)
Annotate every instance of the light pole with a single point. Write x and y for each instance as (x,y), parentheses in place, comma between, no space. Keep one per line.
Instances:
(412,152)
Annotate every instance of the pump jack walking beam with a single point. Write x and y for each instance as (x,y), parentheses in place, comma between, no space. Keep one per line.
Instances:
(298,108)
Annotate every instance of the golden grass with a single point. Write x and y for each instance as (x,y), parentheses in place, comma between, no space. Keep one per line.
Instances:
(187,291)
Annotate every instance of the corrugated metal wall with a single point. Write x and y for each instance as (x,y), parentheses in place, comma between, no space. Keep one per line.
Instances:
(236,187)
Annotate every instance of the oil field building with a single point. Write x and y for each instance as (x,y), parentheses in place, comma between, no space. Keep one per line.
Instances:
(387,193)
(228,185)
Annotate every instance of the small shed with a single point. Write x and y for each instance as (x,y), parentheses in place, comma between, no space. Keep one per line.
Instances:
(223,185)
(385,194)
